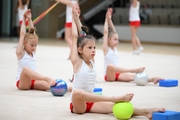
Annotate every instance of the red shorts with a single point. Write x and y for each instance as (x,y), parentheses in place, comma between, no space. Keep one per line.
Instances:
(135,23)
(68,25)
(20,22)
(88,106)
(116,77)
(31,87)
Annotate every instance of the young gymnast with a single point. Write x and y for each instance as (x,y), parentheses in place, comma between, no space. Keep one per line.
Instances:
(134,20)
(112,71)
(26,77)
(82,97)
(68,25)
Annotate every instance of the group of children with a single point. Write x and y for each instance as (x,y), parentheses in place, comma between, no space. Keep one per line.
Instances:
(82,58)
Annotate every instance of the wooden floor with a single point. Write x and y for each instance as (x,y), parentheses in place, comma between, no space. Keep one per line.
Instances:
(123,46)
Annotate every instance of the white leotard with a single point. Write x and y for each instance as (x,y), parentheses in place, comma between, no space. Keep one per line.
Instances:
(112,57)
(69,12)
(134,12)
(85,79)
(26,61)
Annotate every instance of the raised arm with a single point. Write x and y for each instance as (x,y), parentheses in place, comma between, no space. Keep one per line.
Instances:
(20,49)
(29,18)
(111,25)
(77,20)
(27,2)
(20,4)
(105,37)
(74,55)
(134,3)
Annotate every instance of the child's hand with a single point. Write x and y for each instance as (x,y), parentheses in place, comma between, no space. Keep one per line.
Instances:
(28,14)
(109,13)
(76,11)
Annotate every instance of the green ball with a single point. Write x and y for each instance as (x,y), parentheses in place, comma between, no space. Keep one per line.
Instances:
(123,110)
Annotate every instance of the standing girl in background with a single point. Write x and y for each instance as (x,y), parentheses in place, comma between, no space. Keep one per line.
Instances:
(112,71)
(27,78)
(134,20)
(82,97)
(23,6)
(68,26)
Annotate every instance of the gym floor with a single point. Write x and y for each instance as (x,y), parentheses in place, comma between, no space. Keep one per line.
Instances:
(159,59)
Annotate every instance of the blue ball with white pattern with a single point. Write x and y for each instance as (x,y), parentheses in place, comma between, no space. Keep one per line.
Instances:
(60,88)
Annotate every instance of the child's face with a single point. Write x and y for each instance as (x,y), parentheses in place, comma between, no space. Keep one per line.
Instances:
(30,45)
(113,42)
(89,50)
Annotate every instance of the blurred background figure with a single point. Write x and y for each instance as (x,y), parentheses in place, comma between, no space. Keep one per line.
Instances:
(145,13)
(68,25)
(135,22)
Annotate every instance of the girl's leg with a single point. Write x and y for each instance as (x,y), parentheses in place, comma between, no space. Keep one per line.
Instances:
(79,97)
(27,75)
(102,107)
(126,77)
(138,43)
(155,80)
(112,69)
(133,37)
(137,39)
(68,38)
(147,111)
(41,85)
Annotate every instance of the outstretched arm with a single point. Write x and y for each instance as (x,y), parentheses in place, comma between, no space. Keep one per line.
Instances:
(134,3)
(30,22)
(109,18)
(29,17)
(20,4)
(105,37)
(27,3)
(74,55)
(77,20)
(20,49)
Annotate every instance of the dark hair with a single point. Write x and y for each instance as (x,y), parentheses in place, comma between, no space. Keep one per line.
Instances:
(83,39)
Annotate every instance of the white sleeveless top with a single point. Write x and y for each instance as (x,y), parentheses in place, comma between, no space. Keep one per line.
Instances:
(69,12)
(134,12)
(112,57)
(21,12)
(85,79)
(26,61)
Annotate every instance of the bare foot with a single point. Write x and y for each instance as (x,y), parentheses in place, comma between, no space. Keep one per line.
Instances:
(150,111)
(51,81)
(155,80)
(123,98)
(139,70)
(69,89)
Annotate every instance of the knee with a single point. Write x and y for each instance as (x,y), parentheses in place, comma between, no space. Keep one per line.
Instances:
(25,69)
(110,67)
(77,93)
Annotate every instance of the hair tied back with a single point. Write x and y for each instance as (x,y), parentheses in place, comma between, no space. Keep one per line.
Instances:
(82,33)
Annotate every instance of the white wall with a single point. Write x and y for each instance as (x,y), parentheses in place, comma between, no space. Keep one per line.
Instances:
(148,34)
